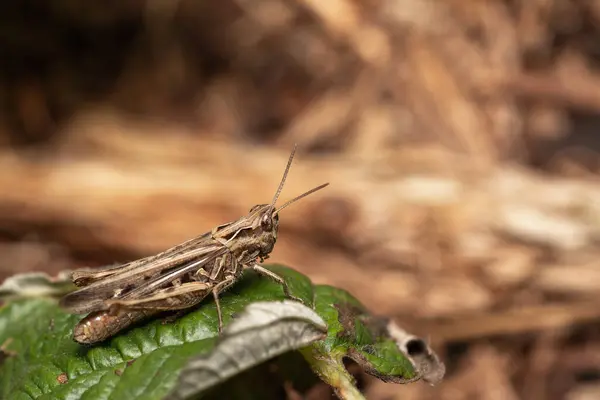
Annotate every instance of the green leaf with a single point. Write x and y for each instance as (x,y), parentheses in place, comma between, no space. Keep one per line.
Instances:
(270,330)
(375,343)
(180,359)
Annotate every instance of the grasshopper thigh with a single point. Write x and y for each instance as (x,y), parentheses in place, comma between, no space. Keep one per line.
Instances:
(173,298)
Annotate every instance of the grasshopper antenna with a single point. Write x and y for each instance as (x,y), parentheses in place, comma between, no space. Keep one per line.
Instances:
(295,199)
(287,169)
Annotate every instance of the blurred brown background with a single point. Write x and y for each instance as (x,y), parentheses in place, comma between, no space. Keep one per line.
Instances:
(460,139)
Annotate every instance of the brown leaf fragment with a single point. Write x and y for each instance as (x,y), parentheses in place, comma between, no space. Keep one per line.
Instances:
(62,378)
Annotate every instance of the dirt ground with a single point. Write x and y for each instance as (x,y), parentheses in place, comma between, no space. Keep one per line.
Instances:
(459,137)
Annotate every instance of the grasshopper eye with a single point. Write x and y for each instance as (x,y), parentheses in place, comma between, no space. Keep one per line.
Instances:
(266,222)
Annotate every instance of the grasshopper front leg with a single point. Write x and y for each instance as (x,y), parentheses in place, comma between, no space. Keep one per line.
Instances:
(269,274)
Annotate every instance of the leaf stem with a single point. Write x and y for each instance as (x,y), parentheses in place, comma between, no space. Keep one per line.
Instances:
(332,371)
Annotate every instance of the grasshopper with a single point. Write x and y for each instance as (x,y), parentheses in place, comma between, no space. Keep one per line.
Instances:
(116,297)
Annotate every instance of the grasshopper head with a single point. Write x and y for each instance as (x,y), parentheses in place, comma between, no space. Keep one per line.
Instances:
(262,235)
(266,218)
(263,221)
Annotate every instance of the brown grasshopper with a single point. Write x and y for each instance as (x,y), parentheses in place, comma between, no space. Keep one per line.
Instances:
(176,279)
